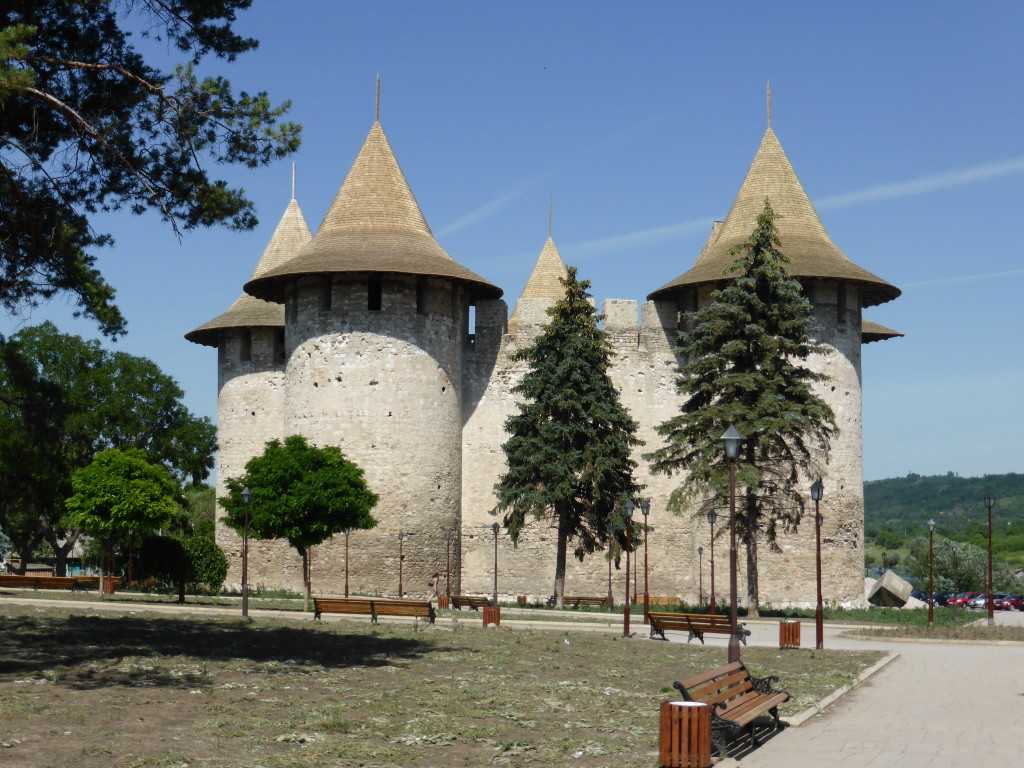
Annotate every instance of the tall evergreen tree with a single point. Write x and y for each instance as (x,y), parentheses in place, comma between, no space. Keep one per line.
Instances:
(742,366)
(569,448)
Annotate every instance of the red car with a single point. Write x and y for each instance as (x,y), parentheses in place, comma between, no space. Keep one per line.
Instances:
(1008,602)
(962,598)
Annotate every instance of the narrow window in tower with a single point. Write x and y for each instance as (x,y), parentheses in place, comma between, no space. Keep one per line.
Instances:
(471,325)
(245,355)
(374,291)
(279,345)
(421,295)
(291,305)
(841,304)
(324,297)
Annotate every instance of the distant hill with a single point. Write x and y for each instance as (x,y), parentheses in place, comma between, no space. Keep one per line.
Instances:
(899,508)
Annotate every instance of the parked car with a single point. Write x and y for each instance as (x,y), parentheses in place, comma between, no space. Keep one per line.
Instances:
(981,601)
(942,598)
(1008,602)
(962,598)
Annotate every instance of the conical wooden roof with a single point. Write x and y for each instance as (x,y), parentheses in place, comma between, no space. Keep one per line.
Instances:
(373,225)
(804,239)
(544,282)
(291,234)
(872,331)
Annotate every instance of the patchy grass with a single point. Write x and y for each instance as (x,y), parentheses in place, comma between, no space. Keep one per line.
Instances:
(979,631)
(138,691)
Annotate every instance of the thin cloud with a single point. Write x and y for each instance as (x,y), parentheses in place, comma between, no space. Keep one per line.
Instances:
(924,184)
(488,210)
(639,239)
(967,278)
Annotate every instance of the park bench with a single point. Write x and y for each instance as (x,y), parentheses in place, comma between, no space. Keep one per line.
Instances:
(736,699)
(575,601)
(663,600)
(373,607)
(475,602)
(697,624)
(37,582)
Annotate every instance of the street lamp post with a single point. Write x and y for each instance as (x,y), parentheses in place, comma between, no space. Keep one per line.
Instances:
(448,563)
(611,597)
(347,532)
(495,527)
(712,516)
(931,572)
(629,547)
(732,439)
(246,498)
(990,501)
(401,559)
(817,491)
(954,546)
(700,559)
(645,508)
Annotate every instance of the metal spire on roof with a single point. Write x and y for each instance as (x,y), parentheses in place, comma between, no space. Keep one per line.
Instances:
(551,215)
(377,111)
(769,105)
(293,180)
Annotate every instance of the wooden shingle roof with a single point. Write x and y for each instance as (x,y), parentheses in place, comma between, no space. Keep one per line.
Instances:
(544,281)
(804,240)
(373,225)
(872,331)
(291,234)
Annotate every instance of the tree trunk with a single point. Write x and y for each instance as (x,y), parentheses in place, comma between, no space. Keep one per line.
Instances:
(305,576)
(750,539)
(61,551)
(563,545)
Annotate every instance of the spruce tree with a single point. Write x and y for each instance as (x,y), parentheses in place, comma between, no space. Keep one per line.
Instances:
(742,358)
(568,450)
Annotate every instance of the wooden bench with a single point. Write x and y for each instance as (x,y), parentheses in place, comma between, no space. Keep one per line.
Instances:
(39,582)
(736,700)
(661,600)
(372,607)
(474,602)
(697,624)
(575,601)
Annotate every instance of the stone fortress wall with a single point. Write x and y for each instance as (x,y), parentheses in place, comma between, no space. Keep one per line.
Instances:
(384,364)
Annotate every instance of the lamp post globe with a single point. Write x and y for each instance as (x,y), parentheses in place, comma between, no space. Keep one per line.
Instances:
(732,439)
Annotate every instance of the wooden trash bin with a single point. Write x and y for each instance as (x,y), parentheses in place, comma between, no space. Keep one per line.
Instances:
(492,615)
(685,735)
(443,602)
(789,634)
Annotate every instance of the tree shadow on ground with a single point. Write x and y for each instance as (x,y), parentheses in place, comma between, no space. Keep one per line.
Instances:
(91,651)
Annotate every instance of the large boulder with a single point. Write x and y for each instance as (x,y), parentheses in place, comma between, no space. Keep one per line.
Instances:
(890,591)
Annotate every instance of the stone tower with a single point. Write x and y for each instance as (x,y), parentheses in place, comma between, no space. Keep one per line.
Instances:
(839,290)
(376,329)
(249,338)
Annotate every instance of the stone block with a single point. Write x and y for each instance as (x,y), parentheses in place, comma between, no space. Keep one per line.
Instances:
(890,591)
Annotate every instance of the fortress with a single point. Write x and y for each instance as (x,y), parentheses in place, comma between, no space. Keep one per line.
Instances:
(369,336)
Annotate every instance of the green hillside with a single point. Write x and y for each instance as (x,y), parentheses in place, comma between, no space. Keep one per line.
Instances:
(897,510)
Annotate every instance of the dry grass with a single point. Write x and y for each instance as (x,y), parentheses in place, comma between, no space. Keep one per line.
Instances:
(131,691)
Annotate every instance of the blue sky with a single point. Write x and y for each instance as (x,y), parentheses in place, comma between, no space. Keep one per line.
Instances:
(639,121)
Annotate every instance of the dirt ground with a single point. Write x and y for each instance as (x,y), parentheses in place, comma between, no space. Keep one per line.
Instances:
(91,691)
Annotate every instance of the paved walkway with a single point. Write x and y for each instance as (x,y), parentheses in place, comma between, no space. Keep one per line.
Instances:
(936,706)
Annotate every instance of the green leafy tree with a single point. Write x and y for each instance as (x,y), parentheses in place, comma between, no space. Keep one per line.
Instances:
(191,561)
(742,366)
(300,493)
(208,565)
(120,490)
(87,125)
(970,573)
(62,400)
(568,451)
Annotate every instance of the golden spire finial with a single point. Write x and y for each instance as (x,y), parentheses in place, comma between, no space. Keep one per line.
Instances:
(769,105)
(377,111)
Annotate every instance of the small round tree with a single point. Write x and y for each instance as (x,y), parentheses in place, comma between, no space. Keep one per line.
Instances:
(300,493)
(117,491)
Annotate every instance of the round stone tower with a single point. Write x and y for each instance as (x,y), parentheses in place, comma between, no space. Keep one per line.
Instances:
(839,290)
(249,338)
(376,327)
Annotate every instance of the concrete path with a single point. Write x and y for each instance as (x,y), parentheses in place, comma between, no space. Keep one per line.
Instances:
(936,706)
